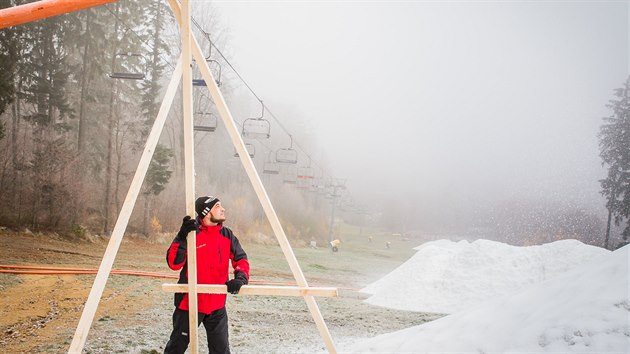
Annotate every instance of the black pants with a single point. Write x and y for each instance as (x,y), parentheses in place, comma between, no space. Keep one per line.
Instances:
(216,325)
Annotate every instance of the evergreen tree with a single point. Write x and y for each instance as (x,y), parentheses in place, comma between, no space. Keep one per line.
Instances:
(8,60)
(7,73)
(44,74)
(156,179)
(614,143)
(157,15)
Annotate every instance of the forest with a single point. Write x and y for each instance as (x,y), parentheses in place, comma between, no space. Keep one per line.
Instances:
(79,95)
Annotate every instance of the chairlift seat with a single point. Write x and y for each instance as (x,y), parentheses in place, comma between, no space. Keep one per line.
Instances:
(289,180)
(206,122)
(129,66)
(127,76)
(288,156)
(199,82)
(251,150)
(303,183)
(256,128)
(305,173)
(271,168)
(203,128)
(290,175)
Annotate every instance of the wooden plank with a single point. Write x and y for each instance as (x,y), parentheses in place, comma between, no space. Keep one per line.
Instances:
(20,14)
(189,167)
(80,335)
(263,290)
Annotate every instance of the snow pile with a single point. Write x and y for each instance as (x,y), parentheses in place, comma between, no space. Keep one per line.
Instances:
(585,310)
(446,277)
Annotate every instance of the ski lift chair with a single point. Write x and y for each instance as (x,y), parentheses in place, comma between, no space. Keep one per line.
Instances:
(251,150)
(305,177)
(303,184)
(257,128)
(270,167)
(288,155)
(129,66)
(202,82)
(206,122)
(305,173)
(290,175)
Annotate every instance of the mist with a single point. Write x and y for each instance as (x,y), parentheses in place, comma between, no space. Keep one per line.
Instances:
(441,111)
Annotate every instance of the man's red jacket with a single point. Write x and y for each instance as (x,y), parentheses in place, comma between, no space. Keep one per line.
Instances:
(216,247)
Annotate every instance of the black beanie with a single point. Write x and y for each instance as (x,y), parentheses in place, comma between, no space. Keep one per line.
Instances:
(204,204)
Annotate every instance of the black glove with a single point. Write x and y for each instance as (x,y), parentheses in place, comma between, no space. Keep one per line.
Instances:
(188,225)
(234,285)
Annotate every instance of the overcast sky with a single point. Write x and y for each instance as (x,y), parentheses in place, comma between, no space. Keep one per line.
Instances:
(461,102)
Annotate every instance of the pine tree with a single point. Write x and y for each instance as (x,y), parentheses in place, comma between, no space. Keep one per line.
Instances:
(44,73)
(156,179)
(614,143)
(157,16)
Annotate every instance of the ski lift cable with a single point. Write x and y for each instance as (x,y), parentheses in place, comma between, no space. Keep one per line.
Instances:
(212,44)
(147,47)
(265,107)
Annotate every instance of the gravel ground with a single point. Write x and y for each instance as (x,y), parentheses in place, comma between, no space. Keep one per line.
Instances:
(39,313)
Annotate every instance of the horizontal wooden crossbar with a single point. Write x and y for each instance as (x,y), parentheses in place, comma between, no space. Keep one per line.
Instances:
(267,290)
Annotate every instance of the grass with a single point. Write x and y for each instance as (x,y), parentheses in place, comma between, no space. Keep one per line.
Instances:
(357,255)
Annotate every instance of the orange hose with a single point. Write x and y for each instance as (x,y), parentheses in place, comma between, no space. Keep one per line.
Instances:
(16,269)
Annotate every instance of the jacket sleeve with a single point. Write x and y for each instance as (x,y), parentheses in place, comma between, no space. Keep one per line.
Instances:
(176,254)
(239,259)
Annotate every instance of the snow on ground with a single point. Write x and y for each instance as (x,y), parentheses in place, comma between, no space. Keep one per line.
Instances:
(584,310)
(446,277)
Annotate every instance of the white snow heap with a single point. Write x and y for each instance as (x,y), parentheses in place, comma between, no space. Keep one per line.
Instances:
(446,277)
(585,310)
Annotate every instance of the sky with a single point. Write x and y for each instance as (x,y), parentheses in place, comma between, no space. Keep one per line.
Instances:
(457,104)
(578,302)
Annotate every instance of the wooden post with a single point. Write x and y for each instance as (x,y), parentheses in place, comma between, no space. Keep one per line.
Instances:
(80,335)
(38,10)
(189,166)
(248,164)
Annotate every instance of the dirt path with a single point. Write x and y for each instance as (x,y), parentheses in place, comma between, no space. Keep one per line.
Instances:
(39,313)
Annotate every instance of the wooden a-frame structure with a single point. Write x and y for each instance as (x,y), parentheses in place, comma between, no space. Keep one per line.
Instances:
(190,48)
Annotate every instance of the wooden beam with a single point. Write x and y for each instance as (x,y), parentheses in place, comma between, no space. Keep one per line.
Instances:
(89,310)
(189,169)
(38,10)
(264,290)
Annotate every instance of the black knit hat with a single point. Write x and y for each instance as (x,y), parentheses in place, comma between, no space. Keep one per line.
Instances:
(204,204)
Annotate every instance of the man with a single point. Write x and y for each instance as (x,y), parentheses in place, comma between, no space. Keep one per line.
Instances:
(216,247)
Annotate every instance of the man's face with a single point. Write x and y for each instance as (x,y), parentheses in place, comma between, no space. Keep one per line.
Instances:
(216,214)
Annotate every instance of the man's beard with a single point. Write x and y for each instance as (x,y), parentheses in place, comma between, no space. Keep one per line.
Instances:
(216,221)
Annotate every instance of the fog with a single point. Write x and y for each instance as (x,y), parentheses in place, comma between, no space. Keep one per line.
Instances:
(439,107)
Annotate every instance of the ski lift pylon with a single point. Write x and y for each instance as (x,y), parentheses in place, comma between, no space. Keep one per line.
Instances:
(129,66)
(257,128)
